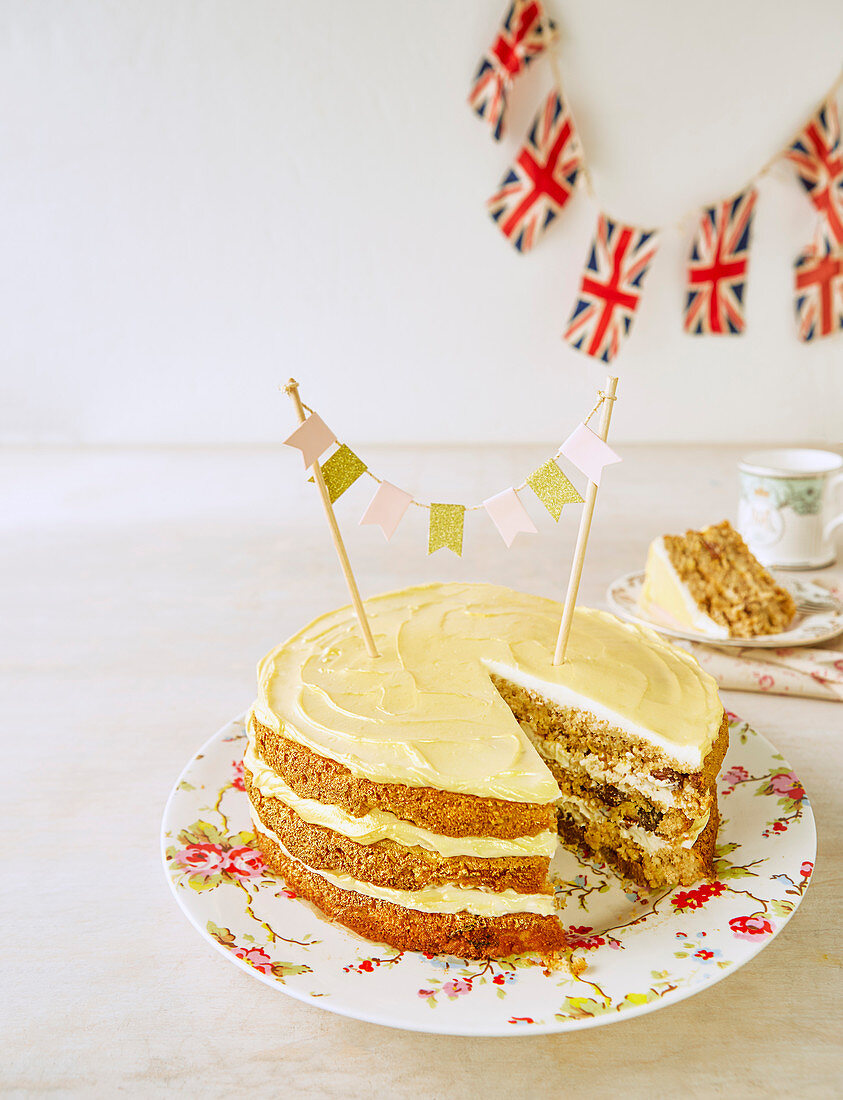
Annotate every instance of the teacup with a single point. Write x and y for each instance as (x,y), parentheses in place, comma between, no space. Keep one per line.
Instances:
(784,503)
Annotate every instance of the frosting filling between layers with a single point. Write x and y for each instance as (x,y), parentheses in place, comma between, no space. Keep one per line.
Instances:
(429,899)
(586,813)
(624,778)
(426,714)
(379,825)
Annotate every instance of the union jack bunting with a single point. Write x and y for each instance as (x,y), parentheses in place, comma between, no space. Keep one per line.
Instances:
(819,292)
(542,178)
(718,265)
(521,38)
(816,153)
(610,288)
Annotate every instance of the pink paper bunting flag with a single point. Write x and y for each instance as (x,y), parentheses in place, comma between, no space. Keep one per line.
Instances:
(313,437)
(509,515)
(588,452)
(386,508)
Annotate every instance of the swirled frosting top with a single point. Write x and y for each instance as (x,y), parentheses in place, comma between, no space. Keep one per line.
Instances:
(425,712)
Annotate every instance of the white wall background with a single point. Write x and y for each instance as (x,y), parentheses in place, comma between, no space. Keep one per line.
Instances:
(202,197)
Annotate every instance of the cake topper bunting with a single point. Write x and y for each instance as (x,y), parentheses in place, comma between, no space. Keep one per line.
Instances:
(292,390)
(509,515)
(551,485)
(312,437)
(386,508)
(341,470)
(446,528)
(605,403)
(553,488)
(588,452)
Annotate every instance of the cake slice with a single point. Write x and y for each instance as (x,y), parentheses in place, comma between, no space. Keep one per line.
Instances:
(649,810)
(417,798)
(709,582)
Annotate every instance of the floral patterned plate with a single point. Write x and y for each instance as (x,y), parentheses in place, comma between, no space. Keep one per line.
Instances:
(644,950)
(807,629)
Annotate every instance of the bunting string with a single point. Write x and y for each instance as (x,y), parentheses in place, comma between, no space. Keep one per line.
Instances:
(601,397)
(343,467)
(583,448)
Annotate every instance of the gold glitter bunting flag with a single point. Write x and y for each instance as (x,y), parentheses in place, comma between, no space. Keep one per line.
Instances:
(553,488)
(341,470)
(446,526)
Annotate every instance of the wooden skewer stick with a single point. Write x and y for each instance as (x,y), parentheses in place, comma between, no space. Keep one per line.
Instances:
(584,531)
(292,388)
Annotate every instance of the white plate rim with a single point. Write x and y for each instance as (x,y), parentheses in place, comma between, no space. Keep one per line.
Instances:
(788,639)
(465,1029)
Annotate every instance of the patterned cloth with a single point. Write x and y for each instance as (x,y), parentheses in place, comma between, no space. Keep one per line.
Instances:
(610,288)
(818,159)
(811,673)
(522,38)
(542,178)
(718,265)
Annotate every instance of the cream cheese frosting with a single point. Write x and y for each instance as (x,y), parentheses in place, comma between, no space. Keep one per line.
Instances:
(448,898)
(379,825)
(664,591)
(425,712)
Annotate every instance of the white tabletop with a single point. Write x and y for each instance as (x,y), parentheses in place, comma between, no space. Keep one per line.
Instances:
(139,588)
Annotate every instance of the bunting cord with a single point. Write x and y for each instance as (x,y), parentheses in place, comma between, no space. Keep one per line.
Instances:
(601,398)
(551,42)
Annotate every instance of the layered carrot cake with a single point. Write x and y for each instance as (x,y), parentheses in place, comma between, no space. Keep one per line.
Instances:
(418,797)
(708,581)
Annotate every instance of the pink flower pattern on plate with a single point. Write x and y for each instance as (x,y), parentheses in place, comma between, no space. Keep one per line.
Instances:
(254,956)
(733,777)
(750,928)
(206,859)
(787,784)
(456,987)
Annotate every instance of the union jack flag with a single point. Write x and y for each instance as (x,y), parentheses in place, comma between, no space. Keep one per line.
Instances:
(522,37)
(819,292)
(542,178)
(610,288)
(718,265)
(817,156)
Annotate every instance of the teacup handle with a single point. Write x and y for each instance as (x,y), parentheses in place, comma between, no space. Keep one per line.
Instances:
(833,524)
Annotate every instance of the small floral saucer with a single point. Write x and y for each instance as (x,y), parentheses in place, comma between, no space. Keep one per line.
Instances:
(808,628)
(644,950)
